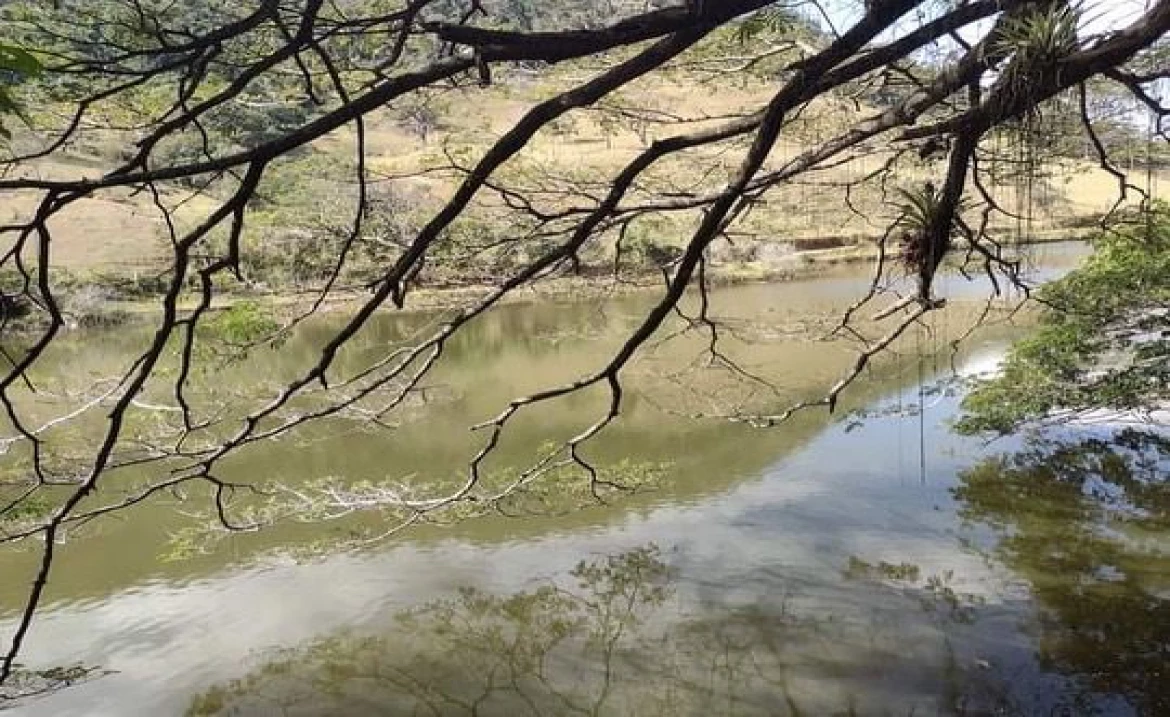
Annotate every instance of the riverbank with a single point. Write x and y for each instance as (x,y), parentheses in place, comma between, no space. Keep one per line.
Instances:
(768,267)
(108,301)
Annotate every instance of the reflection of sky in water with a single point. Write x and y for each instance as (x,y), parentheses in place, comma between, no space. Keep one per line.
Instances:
(784,536)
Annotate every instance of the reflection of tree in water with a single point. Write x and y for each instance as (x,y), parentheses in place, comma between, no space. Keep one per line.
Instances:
(1081,521)
(1085,523)
(608,645)
(28,685)
(474,654)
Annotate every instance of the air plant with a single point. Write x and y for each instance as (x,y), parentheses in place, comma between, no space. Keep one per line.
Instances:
(919,213)
(1035,41)
(924,241)
(1040,35)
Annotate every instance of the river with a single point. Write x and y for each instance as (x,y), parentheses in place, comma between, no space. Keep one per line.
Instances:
(841,538)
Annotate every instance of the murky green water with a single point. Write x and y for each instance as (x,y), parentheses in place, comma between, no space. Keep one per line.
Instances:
(773,543)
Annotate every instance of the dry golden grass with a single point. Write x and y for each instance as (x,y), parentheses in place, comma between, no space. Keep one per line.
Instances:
(125,233)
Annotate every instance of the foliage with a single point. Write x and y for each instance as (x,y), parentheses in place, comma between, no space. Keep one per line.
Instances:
(1040,36)
(16,66)
(233,333)
(645,243)
(921,208)
(420,118)
(1103,342)
(79,32)
(1035,40)
(770,21)
(558,490)
(242,323)
(295,237)
(529,15)
(23,512)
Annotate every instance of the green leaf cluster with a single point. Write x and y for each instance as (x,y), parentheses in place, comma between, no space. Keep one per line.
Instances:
(16,66)
(766,22)
(1103,341)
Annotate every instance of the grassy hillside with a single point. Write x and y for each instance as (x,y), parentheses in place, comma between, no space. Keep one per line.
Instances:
(414,151)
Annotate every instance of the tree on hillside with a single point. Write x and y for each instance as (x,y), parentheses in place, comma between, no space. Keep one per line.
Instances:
(158,78)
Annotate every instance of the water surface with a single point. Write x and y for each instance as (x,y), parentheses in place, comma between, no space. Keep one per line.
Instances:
(790,524)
